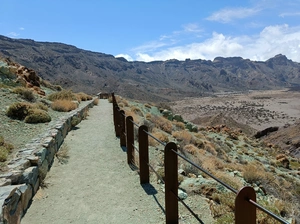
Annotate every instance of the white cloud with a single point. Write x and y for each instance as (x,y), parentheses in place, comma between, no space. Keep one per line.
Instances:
(21,28)
(126,56)
(289,14)
(272,40)
(229,14)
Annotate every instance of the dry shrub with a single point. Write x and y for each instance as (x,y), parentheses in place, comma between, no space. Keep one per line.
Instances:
(96,101)
(137,111)
(41,106)
(120,99)
(225,204)
(63,95)
(253,172)
(183,136)
(148,106)
(134,116)
(212,164)
(230,180)
(64,105)
(5,149)
(190,149)
(50,85)
(160,136)
(18,110)
(83,97)
(25,93)
(209,147)
(63,154)
(37,116)
(110,99)
(162,123)
(179,125)
(148,116)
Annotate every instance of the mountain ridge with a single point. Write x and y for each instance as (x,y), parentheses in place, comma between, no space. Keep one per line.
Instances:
(93,72)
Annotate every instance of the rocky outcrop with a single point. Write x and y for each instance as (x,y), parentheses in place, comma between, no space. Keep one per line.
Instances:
(20,74)
(265,132)
(30,166)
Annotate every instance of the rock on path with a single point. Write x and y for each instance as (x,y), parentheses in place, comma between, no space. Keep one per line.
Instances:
(96,185)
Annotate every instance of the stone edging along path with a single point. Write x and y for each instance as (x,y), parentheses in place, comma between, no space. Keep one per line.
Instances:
(30,166)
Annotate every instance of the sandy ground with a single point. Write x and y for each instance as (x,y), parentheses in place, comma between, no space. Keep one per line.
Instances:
(258,109)
(96,185)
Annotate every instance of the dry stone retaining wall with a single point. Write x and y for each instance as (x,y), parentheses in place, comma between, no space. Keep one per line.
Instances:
(30,166)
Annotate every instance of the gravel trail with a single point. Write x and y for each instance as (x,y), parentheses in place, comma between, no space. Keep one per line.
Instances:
(96,185)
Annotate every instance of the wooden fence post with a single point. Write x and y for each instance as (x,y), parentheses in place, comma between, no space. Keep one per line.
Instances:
(122,128)
(116,115)
(143,154)
(130,140)
(245,212)
(171,183)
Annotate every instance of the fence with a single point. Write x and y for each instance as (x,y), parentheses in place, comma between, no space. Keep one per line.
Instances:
(245,201)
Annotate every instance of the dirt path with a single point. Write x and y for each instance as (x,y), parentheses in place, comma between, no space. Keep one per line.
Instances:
(96,185)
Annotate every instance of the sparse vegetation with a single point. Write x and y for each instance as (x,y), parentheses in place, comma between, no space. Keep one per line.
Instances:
(25,93)
(160,136)
(83,96)
(62,95)
(162,123)
(63,154)
(5,149)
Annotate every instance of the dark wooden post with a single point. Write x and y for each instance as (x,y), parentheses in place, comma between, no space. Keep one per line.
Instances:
(171,183)
(116,115)
(122,128)
(245,213)
(143,154)
(130,140)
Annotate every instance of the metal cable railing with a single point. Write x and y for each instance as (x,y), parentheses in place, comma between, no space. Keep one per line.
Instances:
(245,209)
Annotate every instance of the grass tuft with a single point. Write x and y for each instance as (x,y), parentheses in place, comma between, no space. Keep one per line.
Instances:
(25,93)
(62,95)
(37,116)
(64,105)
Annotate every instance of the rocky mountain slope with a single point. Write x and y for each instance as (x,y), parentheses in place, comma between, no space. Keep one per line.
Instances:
(93,72)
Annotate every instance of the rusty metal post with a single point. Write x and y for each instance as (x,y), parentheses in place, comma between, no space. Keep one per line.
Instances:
(171,183)
(245,212)
(144,154)
(130,140)
(122,128)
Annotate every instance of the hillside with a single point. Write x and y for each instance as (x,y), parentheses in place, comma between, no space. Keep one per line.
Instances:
(93,72)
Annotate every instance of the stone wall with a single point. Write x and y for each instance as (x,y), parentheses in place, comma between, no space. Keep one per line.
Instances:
(30,166)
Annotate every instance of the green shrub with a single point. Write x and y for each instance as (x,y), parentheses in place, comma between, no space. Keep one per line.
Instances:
(37,116)
(18,110)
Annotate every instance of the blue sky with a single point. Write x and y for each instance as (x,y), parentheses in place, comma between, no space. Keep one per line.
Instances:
(148,30)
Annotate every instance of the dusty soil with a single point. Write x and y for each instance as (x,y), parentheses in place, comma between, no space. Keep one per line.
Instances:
(257,110)
(96,185)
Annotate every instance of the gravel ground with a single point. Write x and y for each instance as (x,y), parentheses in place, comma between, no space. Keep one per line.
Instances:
(96,185)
